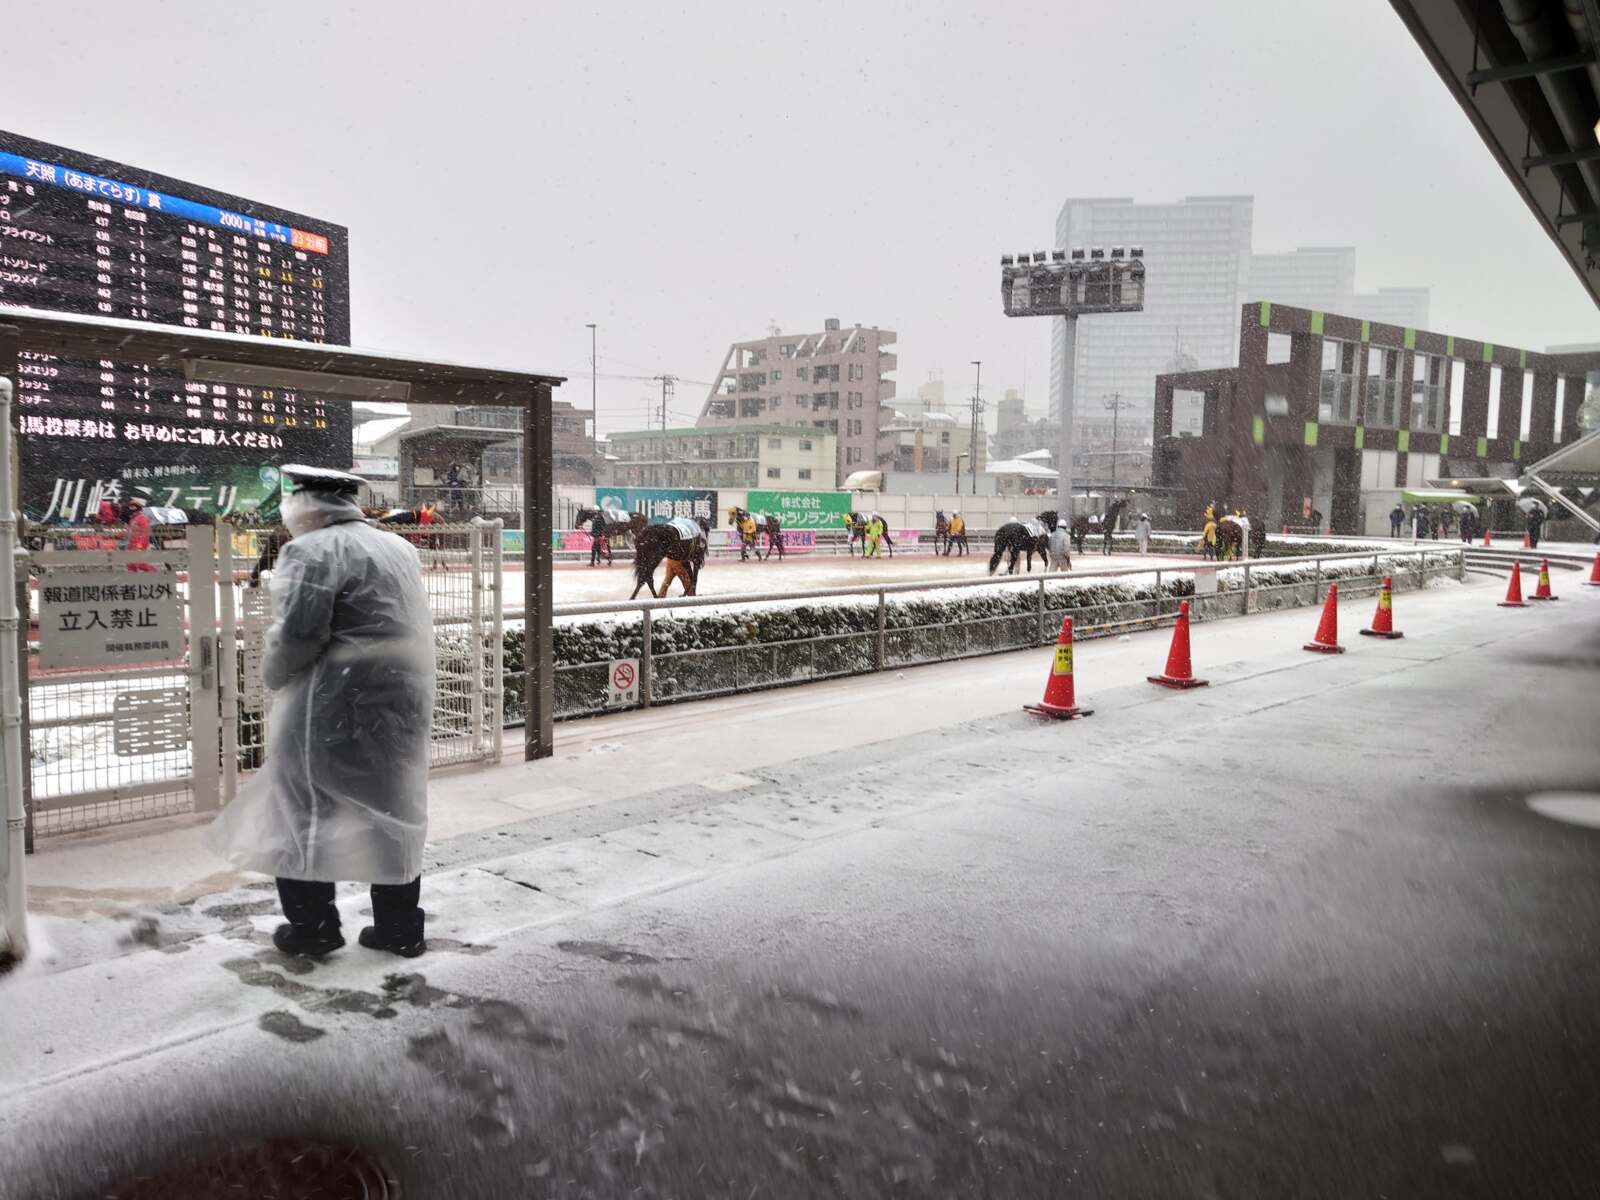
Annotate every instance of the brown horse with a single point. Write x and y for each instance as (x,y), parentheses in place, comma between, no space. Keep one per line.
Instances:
(765,523)
(682,541)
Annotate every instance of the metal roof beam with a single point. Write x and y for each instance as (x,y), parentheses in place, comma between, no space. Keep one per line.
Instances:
(1566,158)
(1528,70)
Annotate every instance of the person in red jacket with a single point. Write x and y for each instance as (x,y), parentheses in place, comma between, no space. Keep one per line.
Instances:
(138,532)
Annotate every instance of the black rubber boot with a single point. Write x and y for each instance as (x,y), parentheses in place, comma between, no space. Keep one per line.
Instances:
(307,942)
(402,942)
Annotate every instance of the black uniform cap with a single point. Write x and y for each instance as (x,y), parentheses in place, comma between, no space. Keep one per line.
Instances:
(321,479)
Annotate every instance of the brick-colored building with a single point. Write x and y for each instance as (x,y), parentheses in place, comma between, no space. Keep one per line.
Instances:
(836,380)
(1346,413)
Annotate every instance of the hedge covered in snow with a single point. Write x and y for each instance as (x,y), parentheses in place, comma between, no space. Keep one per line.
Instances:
(770,643)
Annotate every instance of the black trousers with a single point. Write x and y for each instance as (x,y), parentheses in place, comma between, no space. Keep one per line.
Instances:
(395,907)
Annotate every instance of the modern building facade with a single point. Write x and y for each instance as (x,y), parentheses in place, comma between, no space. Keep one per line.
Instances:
(1198,252)
(774,457)
(836,381)
(929,434)
(1341,414)
(1406,307)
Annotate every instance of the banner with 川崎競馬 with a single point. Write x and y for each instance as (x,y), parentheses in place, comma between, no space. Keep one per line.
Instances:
(802,510)
(660,505)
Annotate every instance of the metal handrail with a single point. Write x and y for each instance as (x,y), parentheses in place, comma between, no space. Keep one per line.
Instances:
(929,585)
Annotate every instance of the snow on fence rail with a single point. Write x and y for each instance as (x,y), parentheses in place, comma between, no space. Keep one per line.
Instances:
(691,648)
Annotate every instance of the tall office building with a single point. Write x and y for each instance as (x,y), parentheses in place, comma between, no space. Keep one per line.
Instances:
(1321,278)
(1198,252)
(1406,307)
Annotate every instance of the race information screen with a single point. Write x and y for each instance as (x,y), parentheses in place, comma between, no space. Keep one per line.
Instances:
(84,235)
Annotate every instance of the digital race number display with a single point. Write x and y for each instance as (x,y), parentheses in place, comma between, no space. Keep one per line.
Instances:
(80,234)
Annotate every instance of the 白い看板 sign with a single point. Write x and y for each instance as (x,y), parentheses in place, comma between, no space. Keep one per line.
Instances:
(109,618)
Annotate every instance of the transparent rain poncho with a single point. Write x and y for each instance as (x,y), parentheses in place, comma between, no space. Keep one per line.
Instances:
(350,659)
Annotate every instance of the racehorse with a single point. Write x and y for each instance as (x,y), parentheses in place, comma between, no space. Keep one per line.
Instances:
(681,540)
(856,524)
(765,523)
(941,532)
(1107,523)
(1230,538)
(613,522)
(1015,538)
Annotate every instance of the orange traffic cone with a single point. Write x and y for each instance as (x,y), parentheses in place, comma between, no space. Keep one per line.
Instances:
(1526,544)
(1543,592)
(1514,589)
(1594,574)
(1383,620)
(1485,537)
(1327,639)
(1059,701)
(1179,672)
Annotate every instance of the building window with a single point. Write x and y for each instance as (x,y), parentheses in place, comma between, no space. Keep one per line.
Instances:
(805,472)
(944,439)
(855,399)
(852,454)
(1430,383)
(802,372)
(1336,403)
(855,428)
(776,375)
(1383,388)
(774,472)
(857,371)
(805,443)
(786,351)
(774,443)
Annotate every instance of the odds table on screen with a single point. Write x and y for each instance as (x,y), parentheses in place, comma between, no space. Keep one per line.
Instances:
(83,235)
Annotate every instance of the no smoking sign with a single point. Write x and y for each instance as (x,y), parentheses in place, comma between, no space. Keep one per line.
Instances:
(622,685)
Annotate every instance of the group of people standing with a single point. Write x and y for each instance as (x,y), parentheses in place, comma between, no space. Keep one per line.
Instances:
(1428,523)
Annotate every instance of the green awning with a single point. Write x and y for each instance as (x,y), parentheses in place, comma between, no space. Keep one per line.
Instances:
(1437,496)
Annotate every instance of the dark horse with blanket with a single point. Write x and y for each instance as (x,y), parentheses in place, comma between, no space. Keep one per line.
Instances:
(856,525)
(614,523)
(1105,524)
(1015,538)
(765,524)
(681,543)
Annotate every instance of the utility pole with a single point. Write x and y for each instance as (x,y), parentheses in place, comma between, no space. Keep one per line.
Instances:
(977,407)
(594,391)
(1116,404)
(667,382)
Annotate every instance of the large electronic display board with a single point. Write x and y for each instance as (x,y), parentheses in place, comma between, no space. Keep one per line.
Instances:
(81,234)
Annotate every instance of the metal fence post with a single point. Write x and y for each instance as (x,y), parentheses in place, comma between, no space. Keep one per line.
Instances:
(1316,585)
(497,638)
(646,660)
(1041,609)
(205,711)
(883,625)
(1461,565)
(475,635)
(1247,588)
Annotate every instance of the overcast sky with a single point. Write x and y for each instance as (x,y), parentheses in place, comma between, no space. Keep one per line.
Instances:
(686,175)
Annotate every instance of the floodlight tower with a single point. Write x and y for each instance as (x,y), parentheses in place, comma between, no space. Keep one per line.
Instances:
(1053,285)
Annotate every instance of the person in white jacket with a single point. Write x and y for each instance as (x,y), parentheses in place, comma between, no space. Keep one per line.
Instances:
(1060,547)
(1142,529)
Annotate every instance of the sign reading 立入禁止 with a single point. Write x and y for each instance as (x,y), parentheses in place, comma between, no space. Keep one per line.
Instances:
(660,504)
(802,510)
(109,618)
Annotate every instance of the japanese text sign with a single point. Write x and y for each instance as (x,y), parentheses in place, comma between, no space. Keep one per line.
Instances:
(109,618)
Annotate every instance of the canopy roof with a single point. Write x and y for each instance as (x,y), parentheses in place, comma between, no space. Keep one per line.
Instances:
(1577,464)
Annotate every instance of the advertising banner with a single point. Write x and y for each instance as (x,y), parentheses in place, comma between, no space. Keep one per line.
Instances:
(803,510)
(222,490)
(661,504)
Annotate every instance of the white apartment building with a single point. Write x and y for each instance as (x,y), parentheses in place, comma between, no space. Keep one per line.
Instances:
(836,380)
(774,457)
